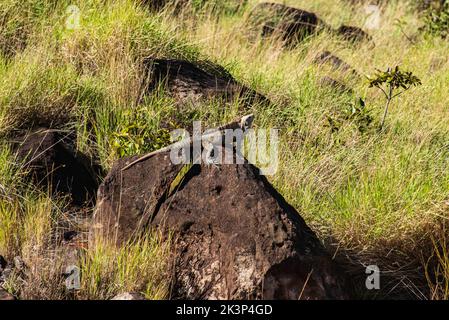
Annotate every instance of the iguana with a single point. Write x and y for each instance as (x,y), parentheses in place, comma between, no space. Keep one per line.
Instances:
(244,123)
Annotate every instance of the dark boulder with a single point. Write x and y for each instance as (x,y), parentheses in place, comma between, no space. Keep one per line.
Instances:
(353,34)
(336,62)
(291,24)
(178,6)
(155,4)
(51,160)
(127,201)
(235,235)
(190,83)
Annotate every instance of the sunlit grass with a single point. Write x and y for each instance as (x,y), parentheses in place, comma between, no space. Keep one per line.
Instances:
(368,193)
(139,266)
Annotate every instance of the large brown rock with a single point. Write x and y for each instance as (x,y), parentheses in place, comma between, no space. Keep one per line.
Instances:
(51,160)
(353,34)
(178,6)
(189,83)
(235,235)
(128,200)
(290,24)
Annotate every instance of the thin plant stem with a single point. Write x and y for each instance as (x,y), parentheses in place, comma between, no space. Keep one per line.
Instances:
(389,97)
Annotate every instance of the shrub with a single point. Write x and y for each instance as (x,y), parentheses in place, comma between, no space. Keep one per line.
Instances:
(389,82)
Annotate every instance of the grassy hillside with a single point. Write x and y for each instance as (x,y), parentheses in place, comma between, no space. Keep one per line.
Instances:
(373,197)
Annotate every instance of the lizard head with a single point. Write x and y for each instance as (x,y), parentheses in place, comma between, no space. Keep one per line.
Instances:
(246,122)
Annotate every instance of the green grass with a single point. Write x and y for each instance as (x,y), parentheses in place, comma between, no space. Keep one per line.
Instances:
(376,197)
(139,266)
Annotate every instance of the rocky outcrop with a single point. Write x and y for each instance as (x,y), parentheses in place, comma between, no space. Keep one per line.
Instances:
(292,25)
(51,160)
(235,236)
(128,200)
(353,34)
(189,83)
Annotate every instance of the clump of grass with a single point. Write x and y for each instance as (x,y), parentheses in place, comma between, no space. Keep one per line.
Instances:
(34,91)
(29,231)
(138,266)
(26,231)
(49,80)
(28,219)
(21,21)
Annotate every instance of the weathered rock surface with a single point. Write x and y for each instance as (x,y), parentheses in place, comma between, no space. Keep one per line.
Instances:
(291,24)
(189,83)
(155,4)
(52,161)
(236,237)
(178,5)
(354,34)
(128,200)
(336,62)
